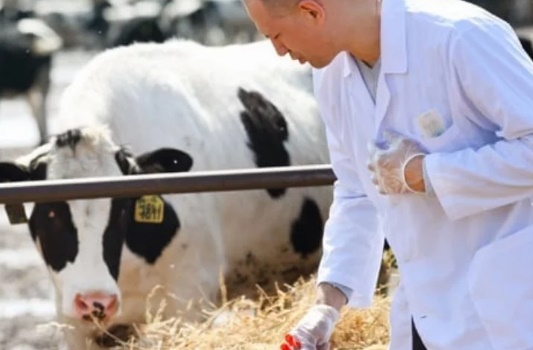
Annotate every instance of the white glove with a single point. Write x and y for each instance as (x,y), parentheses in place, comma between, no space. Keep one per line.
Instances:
(388,164)
(314,330)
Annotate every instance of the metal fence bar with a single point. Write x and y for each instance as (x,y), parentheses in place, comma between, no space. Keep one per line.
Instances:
(138,185)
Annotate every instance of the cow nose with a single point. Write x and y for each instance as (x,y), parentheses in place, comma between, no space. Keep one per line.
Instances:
(97,306)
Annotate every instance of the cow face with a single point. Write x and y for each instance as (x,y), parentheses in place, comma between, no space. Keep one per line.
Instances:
(81,240)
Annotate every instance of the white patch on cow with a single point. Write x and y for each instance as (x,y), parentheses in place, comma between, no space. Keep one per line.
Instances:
(46,39)
(88,273)
(38,153)
(93,156)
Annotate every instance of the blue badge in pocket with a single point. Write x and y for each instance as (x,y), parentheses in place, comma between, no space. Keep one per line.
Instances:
(430,124)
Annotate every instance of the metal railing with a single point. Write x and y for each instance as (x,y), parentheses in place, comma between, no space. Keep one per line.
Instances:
(139,185)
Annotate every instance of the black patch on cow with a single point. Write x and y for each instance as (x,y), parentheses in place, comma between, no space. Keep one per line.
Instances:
(38,168)
(96,21)
(307,229)
(69,138)
(51,224)
(12,14)
(10,172)
(267,131)
(123,158)
(137,30)
(115,233)
(19,66)
(148,240)
(165,160)
(116,335)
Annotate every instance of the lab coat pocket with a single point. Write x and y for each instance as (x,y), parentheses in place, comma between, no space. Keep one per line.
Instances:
(501,288)
(444,142)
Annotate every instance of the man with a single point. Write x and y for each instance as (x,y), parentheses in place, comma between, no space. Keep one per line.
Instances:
(443,94)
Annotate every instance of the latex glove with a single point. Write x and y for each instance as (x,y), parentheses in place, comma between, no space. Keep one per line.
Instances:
(314,330)
(388,164)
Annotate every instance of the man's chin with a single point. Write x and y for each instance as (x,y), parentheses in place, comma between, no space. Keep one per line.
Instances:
(317,64)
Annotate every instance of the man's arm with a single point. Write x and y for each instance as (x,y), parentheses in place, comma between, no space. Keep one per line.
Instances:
(352,243)
(494,78)
(332,295)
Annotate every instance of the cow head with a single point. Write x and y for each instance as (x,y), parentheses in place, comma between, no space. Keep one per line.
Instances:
(81,240)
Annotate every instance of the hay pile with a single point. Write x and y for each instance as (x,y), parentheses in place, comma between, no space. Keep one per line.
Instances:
(260,324)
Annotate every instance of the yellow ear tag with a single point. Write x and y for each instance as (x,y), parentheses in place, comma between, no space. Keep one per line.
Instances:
(149,209)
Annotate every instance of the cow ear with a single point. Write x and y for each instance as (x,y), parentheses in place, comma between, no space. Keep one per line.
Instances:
(11,172)
(164,160)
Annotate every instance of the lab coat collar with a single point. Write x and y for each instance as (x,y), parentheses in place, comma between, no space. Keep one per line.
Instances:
(393,40)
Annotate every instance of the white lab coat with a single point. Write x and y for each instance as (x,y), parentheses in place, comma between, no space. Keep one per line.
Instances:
(464,255)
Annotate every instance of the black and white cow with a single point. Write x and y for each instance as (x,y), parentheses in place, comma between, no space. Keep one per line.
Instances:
(26,50)
(114,24)
(176,107)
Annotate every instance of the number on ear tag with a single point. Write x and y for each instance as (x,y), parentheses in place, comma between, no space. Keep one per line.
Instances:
(149,209)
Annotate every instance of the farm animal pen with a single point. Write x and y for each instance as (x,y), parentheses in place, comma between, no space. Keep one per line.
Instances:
(272,315)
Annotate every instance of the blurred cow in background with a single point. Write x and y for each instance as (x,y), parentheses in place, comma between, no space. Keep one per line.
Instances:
(100,24)
(211,22)
(231,18)
(27,46)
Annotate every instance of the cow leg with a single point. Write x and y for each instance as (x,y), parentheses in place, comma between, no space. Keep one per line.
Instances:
(36,97)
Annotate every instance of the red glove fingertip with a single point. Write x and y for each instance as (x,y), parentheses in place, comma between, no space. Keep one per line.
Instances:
(284,347)
(289,339)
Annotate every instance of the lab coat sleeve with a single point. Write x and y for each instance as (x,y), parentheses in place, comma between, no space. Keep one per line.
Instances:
(495,78)
(352,243)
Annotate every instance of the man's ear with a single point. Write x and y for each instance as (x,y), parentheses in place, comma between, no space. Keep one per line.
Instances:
(164,160)
(11,172)
(313,8)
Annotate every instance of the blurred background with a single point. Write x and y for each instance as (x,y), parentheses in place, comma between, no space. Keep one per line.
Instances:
(43,44)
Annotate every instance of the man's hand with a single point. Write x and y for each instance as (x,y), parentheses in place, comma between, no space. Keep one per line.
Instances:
(314,330)
(399,167)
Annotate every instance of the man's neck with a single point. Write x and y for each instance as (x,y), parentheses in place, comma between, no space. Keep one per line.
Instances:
(364,34)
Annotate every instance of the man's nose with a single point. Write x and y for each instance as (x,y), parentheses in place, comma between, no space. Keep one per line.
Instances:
(280,48)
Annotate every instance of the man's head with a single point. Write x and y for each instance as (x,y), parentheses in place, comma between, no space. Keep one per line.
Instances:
(315,31)
(299,28)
